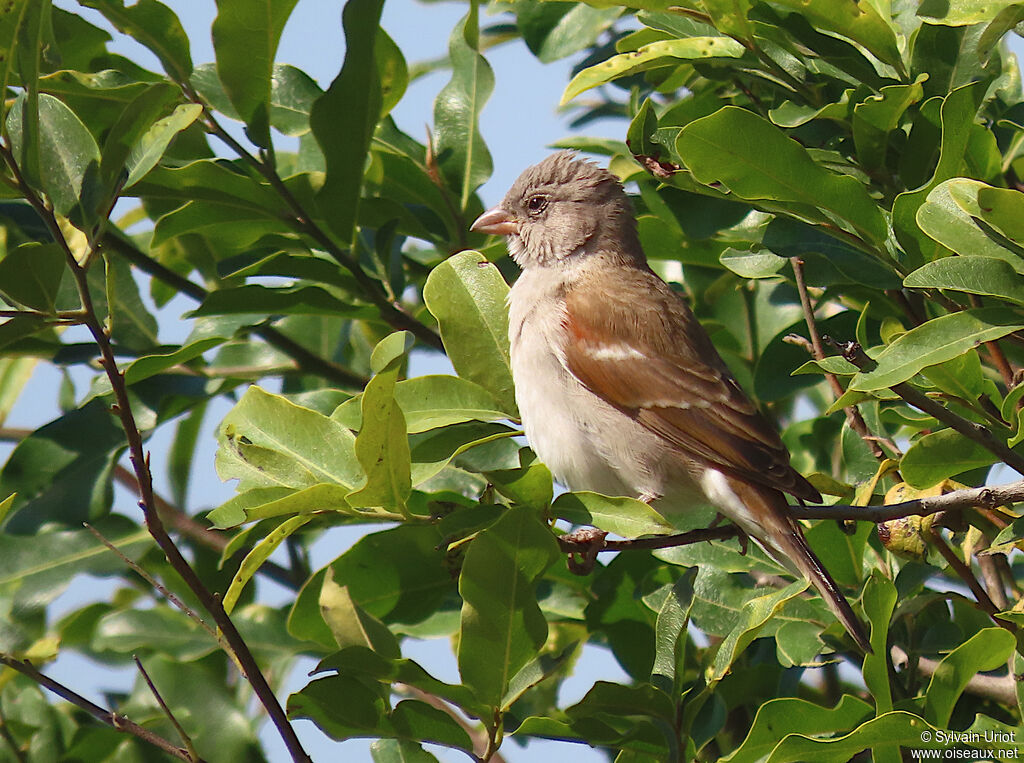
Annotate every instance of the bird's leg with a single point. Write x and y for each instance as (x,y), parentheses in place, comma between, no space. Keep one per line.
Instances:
(740,535)
(587,542)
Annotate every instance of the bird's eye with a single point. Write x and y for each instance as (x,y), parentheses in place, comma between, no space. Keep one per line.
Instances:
(536,204)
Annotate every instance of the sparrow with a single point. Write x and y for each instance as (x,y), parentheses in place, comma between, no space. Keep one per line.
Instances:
(620,388)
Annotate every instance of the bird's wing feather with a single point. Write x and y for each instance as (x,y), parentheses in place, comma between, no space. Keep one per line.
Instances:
(651,359)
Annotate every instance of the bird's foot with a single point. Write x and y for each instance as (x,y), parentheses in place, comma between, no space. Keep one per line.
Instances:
(582,547)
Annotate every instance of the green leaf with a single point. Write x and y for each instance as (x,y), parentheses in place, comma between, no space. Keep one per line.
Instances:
(18,20)
(950,215)
(756,612)
(252,562)
(130,324)
(756,160)
(877,116)
(31,273)
(987,649)
(555,30)
(962,12)
(136,119)
(938,455)
(164,630)
(623,516)
(957,115)
(778,718)
(266,502)
(431,402)
(670,633)
(655,55)
(148,150)
(154,25)
(37,569)
(343,119)
(972,275)
(459,147)
(935,341)
(879,602)
(858,21)
(466,294)
(351,624)
(502,626)
(382,445)
(393,72)
(267,441)
(399,751)
(1003,208)
(245,38)
(61,471)
(69,159)
(344,707)
(747,264)
(292,95)
(895,728)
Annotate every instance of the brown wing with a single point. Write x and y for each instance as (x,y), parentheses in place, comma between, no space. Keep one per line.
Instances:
(652,359)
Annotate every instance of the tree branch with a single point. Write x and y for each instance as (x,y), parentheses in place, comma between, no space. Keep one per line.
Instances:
(855,354)
(307,361)
(140,463)
(1002,689)
(112,719)
(853,415)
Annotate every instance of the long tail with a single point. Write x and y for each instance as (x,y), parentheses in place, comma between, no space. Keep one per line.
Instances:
(780,535)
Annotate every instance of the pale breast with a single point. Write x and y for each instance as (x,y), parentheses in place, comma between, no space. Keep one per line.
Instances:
(587,443)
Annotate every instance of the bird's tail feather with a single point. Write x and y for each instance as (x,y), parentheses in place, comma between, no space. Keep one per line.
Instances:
(787,545)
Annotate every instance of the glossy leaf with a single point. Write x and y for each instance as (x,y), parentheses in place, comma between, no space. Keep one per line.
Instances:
(459,147)
(69,159)
(938,455)
(971,274)
(466,294)
(245,38)
(985,650)
(350,108)
(661,53)
(859,21)
(502,626)
(623,516)
(935,341)
(31,275)
(755,160)
(154,25)
(554,31)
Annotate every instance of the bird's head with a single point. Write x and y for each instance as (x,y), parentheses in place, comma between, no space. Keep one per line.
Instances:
(562,207)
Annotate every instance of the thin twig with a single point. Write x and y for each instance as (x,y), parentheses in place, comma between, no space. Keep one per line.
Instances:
(957,500)
(190,528)
(160,587)
(308,361)
(140,463)
(391,312)
(855,354)
(110,718)
(185,738)
(1002,689)
(967,575)
(853,415)
(5,734)
(479,736)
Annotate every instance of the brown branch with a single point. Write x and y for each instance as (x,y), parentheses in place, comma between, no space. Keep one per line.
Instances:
(140,463)
(855,354)
(966,574)
(156,584)
(853,414)
(185,738)
(1002,689)
(307,361)
(8,737)
(479,736)
(390,311)
(957,500)
(114,720)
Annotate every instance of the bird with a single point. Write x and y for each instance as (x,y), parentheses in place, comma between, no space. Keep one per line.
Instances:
(620,389)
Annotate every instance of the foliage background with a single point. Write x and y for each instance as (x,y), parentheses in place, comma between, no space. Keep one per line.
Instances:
(782,62)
